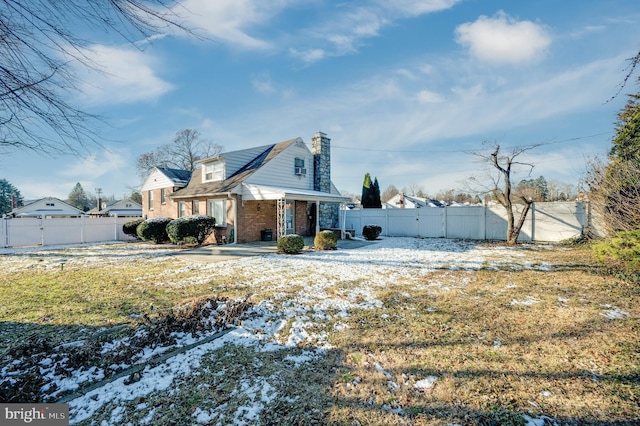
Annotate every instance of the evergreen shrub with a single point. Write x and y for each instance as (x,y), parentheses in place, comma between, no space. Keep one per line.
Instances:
(325,240)
(154,229)
(621,255)
(130,227)
(290,244)
(371,232)
(190,229)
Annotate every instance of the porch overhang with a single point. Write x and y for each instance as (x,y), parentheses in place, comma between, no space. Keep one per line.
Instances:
(263,192)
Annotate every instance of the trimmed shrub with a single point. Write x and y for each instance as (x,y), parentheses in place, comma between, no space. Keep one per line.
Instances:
(325,240)
(371,232)
(130,227)
(621,255)
(290,244)
(190,229)
(154,229)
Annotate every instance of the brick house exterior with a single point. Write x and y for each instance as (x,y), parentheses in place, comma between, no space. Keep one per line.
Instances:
(283,187)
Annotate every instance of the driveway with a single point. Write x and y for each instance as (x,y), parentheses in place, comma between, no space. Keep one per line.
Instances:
(221,253)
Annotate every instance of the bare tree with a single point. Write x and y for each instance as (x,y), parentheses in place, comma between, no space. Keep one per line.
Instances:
(40,42)
(501,186)
(187,148)
(390,192)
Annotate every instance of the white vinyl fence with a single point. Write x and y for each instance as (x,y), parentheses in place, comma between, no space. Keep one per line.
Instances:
(29,231)
(554,221)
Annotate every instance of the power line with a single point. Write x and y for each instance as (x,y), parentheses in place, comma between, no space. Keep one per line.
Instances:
(432,151)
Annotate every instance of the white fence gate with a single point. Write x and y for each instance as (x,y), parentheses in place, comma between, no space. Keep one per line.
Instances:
(554,221)
(29,231)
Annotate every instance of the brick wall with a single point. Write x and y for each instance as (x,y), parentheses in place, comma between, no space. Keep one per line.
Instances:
(301,219)
(167,209)
(255,216)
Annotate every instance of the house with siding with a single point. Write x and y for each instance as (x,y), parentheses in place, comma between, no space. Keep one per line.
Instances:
(119,208)
(283,187)
(48,207)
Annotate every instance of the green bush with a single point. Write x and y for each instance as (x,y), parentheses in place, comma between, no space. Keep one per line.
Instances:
(325,240)
(290,244)
(621,255)
(154,229)
(371,232)
(190,229)
(130,227)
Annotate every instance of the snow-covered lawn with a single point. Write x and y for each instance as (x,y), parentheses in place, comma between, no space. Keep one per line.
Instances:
(302,305)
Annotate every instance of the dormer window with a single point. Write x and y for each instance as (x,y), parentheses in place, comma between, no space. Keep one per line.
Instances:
(299,169)
(213,172)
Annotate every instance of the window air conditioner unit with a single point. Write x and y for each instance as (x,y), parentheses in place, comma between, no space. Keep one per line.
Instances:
(300,171)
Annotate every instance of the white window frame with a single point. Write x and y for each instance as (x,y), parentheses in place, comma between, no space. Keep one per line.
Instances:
(150,199)
(182,208)
(217,208)
(213,172)
(195,207)
(163,196)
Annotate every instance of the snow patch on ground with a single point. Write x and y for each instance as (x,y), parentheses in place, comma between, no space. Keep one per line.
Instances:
(354,277)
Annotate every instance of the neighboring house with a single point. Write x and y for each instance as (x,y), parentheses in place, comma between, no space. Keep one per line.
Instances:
(48,207)
(119,208)
(282,187)
(403,201)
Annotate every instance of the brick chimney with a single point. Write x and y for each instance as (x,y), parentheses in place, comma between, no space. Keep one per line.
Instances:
(321,150)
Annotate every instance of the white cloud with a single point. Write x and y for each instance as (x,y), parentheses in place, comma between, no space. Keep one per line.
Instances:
(503,40)
(123,75)
(308,56)
(229,21)
(417,7)
(343,33)
(107,163)
(263,84)
(587,30)
(429,97)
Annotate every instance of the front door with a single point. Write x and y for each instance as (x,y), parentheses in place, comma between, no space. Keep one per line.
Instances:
(289,216)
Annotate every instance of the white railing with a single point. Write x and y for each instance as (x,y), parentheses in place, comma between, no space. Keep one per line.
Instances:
(29,231)
(553,221)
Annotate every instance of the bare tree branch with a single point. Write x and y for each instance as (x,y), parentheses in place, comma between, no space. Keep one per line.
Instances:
(40,40)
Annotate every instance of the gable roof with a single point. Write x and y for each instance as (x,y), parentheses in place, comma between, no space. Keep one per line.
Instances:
(177,176)
(411,202)
(47,206)
(198,188)
(119,207)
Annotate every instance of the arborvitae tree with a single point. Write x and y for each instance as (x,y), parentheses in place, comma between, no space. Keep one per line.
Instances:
(367,195)
(377,204)
(10,197)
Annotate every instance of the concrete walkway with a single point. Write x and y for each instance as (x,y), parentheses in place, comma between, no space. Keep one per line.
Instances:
(214,253)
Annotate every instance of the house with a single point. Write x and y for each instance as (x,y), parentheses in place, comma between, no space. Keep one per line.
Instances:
(119,208)
(47,207)
(160,183)
(403,201)
(282,187)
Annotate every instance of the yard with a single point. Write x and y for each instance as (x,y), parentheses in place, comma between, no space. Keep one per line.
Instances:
(403,331)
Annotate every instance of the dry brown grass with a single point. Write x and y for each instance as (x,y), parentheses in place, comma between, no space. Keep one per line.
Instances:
(501,341)
(492,355)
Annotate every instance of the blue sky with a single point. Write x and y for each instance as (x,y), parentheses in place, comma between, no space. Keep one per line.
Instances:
(403,88)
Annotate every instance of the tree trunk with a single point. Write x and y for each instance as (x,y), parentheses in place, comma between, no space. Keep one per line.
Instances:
(513,231)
